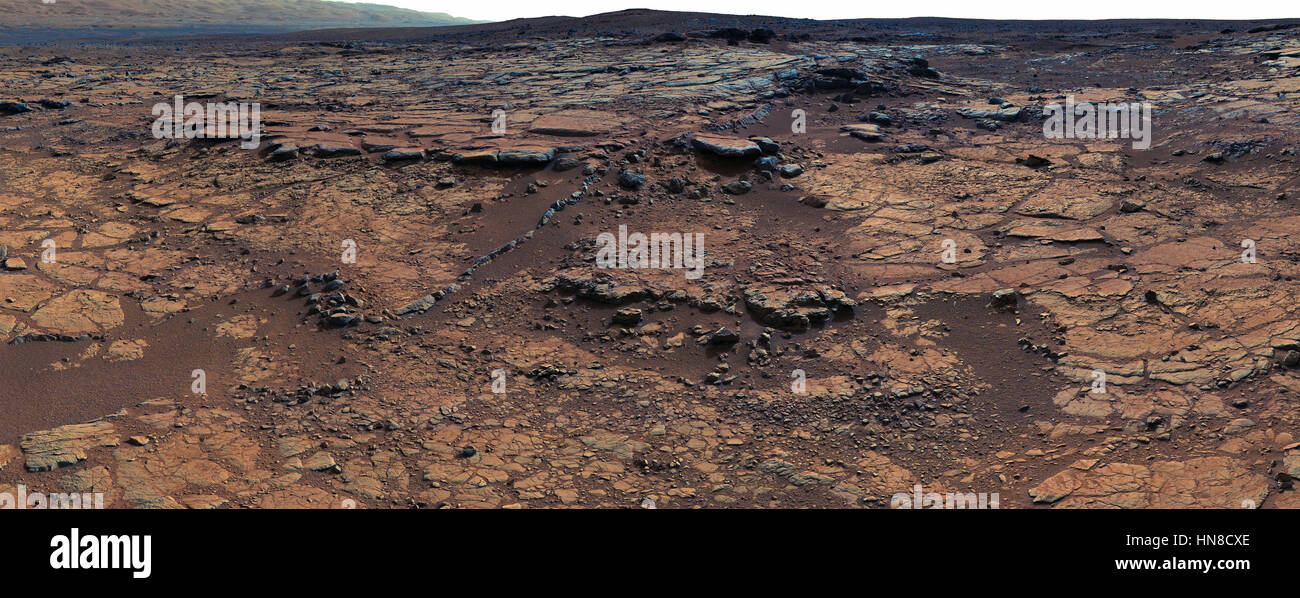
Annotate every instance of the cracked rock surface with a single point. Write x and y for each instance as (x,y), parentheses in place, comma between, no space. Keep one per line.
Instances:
(200,338)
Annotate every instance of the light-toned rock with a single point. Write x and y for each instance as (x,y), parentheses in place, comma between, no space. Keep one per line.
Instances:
(7,454)
(727,147)
(80,311)
(66,445)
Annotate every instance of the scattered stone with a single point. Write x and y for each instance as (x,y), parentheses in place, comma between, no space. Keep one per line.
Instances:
(814,201)
(727,147)
(628,316)
(1004,299)
(1005,114)
(1131,207)
(325,150)
(723,336)
(865,132)
(630,180)
(1034,161)
(14,108)
(398,155)
(321,461)
(737,187)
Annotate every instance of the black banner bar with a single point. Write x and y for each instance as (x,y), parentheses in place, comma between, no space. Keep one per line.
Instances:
(1100,548)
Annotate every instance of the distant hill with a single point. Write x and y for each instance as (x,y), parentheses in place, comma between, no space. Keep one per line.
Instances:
(644,24)
(34,20)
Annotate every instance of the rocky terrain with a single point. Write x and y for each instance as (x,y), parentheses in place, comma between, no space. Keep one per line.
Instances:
(474,354)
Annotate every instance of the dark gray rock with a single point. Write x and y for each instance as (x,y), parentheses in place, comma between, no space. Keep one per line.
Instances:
(396,155)
(322,150)
(723,336)
(1004,299)
(14,108)
(630,180)
(628,316)
(738,187)
(283,153)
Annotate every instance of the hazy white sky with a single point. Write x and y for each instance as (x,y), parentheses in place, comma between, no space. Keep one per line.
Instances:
(500,10)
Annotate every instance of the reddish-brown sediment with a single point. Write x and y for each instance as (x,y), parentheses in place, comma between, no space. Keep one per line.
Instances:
(169,254)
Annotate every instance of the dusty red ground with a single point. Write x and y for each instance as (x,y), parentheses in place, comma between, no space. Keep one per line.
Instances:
(169,254)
